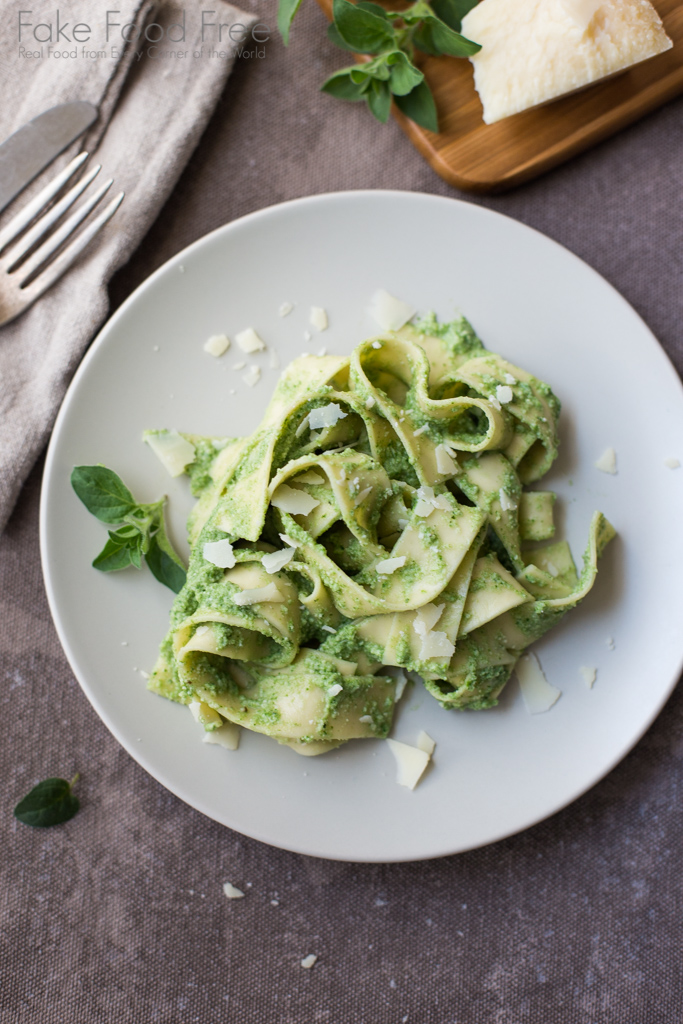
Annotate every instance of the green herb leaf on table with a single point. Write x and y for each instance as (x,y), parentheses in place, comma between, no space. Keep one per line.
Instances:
(285,16)
(334,37)
(142,532)
(342,86)
(420,107)
(391,38)
(102,492)
(433,36)
(51,802)
(379,99)
(364,30)
(453,11)
(404,76)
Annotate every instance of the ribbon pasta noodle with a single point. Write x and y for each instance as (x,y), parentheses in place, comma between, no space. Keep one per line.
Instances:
(377,518)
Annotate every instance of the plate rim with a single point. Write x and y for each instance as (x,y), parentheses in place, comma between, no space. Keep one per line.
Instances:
(100,338)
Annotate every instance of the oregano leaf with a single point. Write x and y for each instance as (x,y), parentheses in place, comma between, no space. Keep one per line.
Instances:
(365,31)
(163,567)
(342,86)
(51,802)
(102,492)
(420,107)
(378,98)
(285,16)
(451,12)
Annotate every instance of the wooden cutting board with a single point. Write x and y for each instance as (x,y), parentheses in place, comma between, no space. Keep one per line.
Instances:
(492,158)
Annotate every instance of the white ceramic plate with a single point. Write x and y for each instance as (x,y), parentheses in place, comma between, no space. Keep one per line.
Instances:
(494,772)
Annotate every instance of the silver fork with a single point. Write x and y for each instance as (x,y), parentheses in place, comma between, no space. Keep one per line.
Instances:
(33,247)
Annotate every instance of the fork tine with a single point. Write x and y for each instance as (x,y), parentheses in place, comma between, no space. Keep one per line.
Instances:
(42,226)
(55,270)
(64,232)
(39,202)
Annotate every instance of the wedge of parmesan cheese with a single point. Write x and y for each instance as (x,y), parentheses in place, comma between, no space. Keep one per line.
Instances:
(533,51)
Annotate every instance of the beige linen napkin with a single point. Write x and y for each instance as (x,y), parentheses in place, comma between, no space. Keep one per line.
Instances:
(153,107)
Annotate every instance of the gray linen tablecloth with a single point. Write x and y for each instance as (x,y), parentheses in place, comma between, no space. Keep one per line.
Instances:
(119,916)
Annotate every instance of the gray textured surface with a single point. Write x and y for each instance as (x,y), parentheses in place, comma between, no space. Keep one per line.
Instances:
(119,915)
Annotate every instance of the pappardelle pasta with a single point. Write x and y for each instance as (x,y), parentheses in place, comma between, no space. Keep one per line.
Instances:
(379,517)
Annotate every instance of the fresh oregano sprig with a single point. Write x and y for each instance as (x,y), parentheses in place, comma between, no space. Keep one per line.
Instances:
(391,37)
(51,802)
(141,529)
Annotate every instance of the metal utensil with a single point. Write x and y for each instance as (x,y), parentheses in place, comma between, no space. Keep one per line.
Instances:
(35,247)
(26,153)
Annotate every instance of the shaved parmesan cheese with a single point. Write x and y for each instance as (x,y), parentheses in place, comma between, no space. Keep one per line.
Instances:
(311,477)
(504,394)
(334,690)
(444,462)
(369,402)
(552,569)
(607,463)
(389,565)
(672,463)
(220,553)
(366,719)
(276,560)
(274,361)
(294,501)
(377,344)
(173,451)
(217,344)
(421,430)
(285,309)
(318,318)
(256,595)
(329,629)
(326,416)
(427,617)
(391,314)
(360,498)
(249,341)
(252,376)
(232,892)
(589,675)
(286,539)
(227,736)
(402,523)
(425,502)
(509,379)
(426,743)
(506,502)
(436,645)
(411,762)
(322,352)
(538,694)
(240,365)
(401,683)
(309,961)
